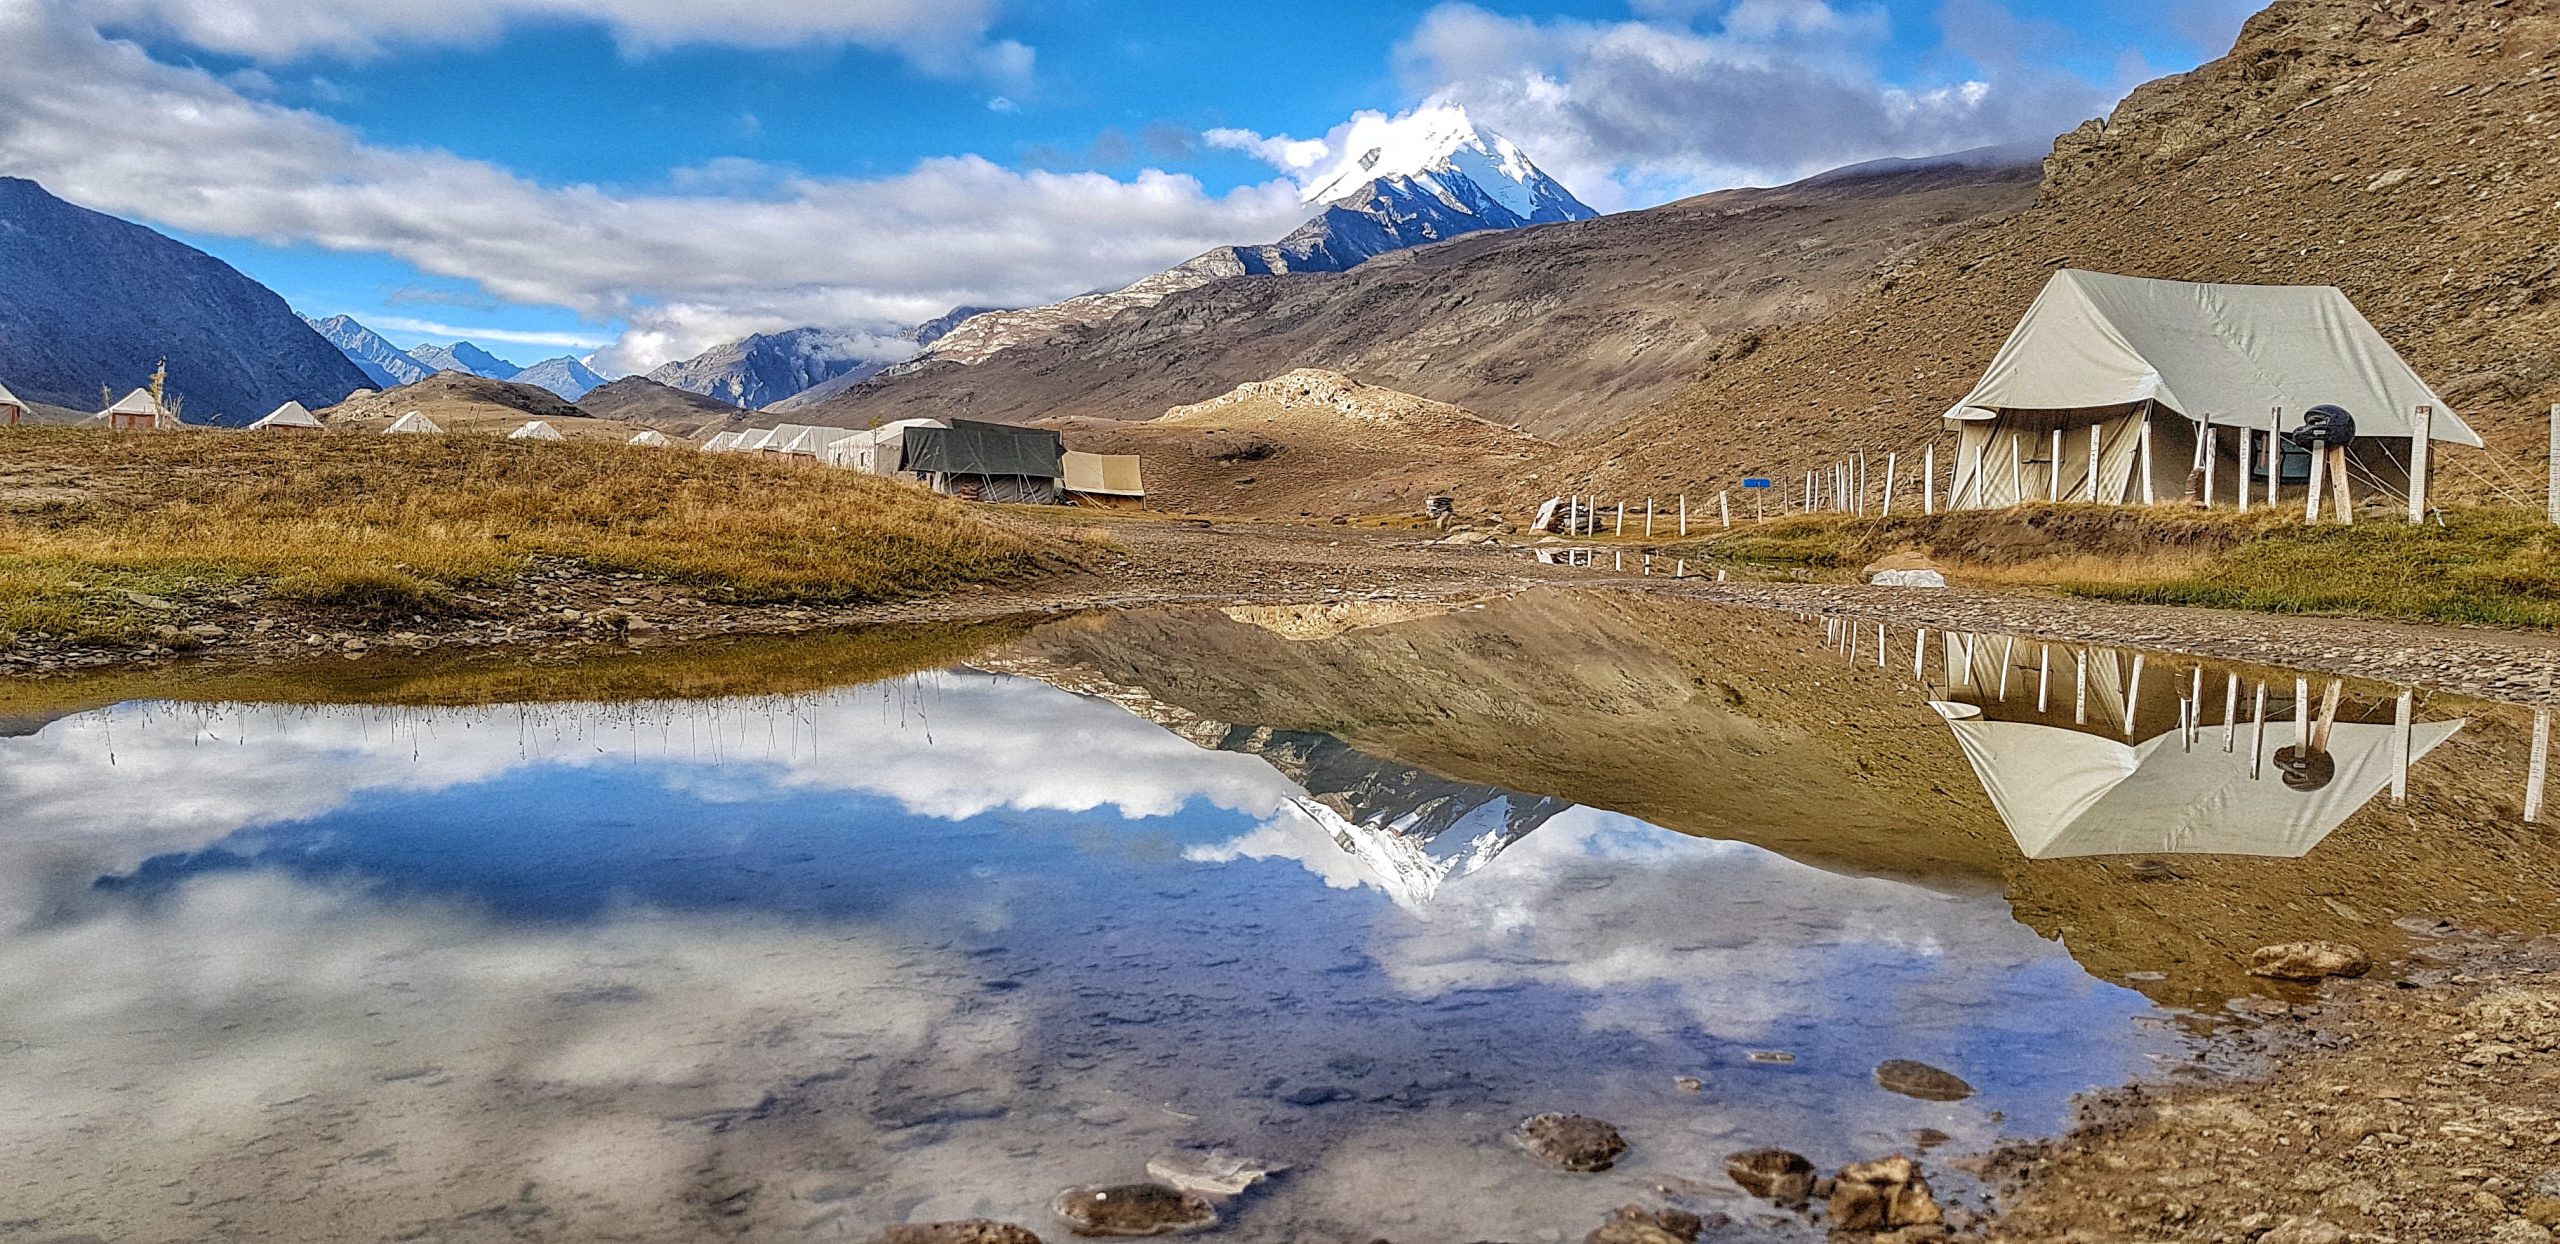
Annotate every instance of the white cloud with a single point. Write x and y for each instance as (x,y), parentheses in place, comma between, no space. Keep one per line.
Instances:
(1632,112)
(1291,155)
(483,335)
(941,36)
(103,124)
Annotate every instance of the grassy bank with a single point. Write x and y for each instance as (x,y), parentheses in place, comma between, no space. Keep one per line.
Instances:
(2483,565)
(95,527)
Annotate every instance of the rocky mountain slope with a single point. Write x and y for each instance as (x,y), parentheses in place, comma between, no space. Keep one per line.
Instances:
(1561,328)
(922,336)
(2406,151)
(88,300)
(386,365)
(640,400)
(1426,178)
(564,375)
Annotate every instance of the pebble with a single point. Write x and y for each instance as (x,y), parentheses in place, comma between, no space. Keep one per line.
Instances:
(1920,1080)
(1570,1141)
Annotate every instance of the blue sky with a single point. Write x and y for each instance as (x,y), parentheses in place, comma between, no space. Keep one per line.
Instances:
(649,177)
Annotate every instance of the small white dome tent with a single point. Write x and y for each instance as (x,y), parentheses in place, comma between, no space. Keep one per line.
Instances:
(536,430)
(12,411)
(292,416)
(415,423)
(133,412)
(653,439)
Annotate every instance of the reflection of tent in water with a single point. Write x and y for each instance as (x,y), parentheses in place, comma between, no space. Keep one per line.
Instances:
(2068,779)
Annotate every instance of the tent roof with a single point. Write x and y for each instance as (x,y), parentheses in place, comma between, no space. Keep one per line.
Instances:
(2066,793)
(969,447)
(2226,354)
(536,430)
(137,402)
(10,399)
(289,415)
(722,442)
(414,421)
(1110,475)
(652,437)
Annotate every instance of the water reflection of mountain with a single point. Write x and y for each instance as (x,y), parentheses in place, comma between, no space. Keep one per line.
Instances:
(1412,831)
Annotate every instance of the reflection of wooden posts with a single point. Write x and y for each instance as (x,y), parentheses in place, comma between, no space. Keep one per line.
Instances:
(2400,713)
(2422,434)
(2195,705)
(2080,700)
(1892,460)
(2133,697)
(2258,733)
(1920,655)
(2044,675)
(2537,768)
(2301,714)
(1929,479)
(2231,712)
(2008,657)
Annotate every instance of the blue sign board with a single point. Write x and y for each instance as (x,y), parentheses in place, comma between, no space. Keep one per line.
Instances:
(1757,483)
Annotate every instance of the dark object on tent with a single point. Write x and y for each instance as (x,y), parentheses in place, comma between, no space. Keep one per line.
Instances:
(2306,770)
(2329,426)
(988,461)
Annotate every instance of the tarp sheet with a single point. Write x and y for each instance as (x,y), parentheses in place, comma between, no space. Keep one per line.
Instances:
(2230,354)
(1111,475)
(2066,793)
(969,447)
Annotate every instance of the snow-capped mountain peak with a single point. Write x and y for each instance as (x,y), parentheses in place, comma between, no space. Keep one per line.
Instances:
(1436,142)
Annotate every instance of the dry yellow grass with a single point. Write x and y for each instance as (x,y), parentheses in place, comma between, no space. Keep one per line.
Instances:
(398,524)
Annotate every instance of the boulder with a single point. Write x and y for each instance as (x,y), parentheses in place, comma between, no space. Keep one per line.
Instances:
(1908,578)
(1134,1209)
(1772,1175)
(1883,1195)
(1637,1225)
(1920,1080)
(972,1231)
(2309,961)
(1570,1141)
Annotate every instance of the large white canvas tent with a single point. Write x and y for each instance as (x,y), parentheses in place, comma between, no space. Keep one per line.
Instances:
(2103,391)
(874,451)
(292,416)
(725,442)
(12,411)
(652,438)
(414,423)
(2066,793)
(536,430)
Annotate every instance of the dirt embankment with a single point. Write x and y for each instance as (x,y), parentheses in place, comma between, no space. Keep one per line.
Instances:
(2400,150)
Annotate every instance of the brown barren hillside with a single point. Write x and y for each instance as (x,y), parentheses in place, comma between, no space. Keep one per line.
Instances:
(640,400)
(461,402)
(1560,329)
(1308,444)
(2407,151)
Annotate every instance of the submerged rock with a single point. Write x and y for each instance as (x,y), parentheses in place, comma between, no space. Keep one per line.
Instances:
(2309,961)
(972,1231)
(1901,1075)
(1637,1225)
(1570,1141)
(1134,1209)
(1213,1172)
(1883,1195)
(1772,1175)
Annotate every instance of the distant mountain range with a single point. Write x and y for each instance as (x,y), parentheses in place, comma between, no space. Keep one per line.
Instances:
(770,371)
(463,356)
(382,362)
(88,301)
(564,375)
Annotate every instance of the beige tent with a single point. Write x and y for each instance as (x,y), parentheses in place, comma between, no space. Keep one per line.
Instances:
(536,430)
(2124,373)
(413,423)
(1103,479)
(292,416)
(652,438)
(12,411)
(134,411)
(2066,793)
(725,442)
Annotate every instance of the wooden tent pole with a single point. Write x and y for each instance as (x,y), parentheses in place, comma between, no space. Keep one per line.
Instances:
(2275,455)
(2017,472)
(1929,479)
(2248,446)
(2149,497)
(2053,470)
(2210,444)
(2422,432)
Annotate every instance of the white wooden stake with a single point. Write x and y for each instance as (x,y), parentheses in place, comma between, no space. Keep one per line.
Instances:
(1622,519)
(2017,471)
(1929,479)
(1724,510)
(1891,460)
(2275,454)
(2422,432)
(1648,518)
(2053,469)
(2147,497)
(1684,514)
(2537,769)
(2400,714)
(2319,473)
(2209,455)
(2555,464)
(2248,445)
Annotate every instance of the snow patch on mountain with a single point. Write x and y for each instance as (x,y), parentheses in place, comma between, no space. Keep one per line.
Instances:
(1442,149)
(383,363)
(462,356)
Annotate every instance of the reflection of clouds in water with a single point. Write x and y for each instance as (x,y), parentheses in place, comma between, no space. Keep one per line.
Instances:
(1667,930)
(99,792)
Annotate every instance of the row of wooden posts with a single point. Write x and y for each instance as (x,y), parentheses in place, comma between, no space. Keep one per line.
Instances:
(1845,487)
(1845,635)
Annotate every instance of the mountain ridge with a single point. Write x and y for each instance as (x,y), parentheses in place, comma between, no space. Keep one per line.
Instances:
(387,365)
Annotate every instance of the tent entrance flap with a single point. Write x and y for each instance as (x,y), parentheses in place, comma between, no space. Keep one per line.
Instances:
(2011,459)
